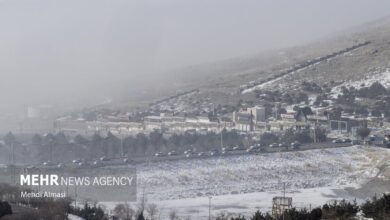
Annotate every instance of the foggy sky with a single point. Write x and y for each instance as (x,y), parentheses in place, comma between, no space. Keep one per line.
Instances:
(50,48)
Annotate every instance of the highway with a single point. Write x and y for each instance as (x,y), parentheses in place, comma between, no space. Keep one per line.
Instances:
(303,147)
(150,159)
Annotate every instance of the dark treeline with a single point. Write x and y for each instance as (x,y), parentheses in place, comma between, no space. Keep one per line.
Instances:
(61,148)
(143,144)
(376,208)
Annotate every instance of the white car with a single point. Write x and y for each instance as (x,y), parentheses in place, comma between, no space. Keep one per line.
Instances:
(159,154)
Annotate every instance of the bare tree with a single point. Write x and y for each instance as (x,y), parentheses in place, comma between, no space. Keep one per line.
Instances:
(124,211)
(143,201)
(152,210)
(173,215)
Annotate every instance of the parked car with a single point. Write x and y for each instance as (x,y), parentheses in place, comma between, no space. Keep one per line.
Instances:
(191,154)
(283,145)
(104,158)
(48,163)
(346,140)
(239,148)
(214,152)
(225,152)
(83,164)
(76,161)
(337,141)
(227,149)
(202,154)
(254,148)
(172,153)
(159,154)
(274,145)
(97,163)
(295,145)
(188,152)
(127,161)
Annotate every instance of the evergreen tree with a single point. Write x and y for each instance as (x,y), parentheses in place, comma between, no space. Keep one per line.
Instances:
(141,216)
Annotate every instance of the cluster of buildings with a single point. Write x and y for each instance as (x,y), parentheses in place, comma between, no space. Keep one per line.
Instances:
(252,120)
(164,122)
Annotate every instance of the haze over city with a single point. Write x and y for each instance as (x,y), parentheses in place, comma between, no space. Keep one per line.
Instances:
(206,110)
(67,51)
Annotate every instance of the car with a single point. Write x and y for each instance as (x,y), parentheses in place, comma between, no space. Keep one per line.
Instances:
(172,153)
(274,145)
(346,140)
(60,165)
(82,164)
(127,161)
(227,149)
(159,154)
(104,158)
(96,163)
(191,154)
(254,148)
(76,161)
(282,145)
(295,145)
(48,163)
(214,152)
(238,148)
(202,154)
(188,152)
(337,141)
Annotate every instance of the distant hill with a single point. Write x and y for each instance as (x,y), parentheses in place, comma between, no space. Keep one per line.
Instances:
(226,76)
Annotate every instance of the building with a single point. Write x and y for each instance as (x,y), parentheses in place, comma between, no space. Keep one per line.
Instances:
(345,124)
(243,121)
(280,205)
(258,114)
(246,119)
(291,120)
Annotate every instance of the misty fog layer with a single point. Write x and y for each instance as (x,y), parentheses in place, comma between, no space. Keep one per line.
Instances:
(68,51)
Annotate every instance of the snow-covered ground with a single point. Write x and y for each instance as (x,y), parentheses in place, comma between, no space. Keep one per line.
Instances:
(272,83)
(377,76)
(245,183)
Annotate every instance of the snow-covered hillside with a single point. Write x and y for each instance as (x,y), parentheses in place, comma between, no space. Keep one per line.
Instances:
(375,76)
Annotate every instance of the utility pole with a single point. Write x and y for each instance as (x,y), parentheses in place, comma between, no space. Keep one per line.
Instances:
(75,195)
(210,207)
(284,198)
(122,145)
(221,139)
(51,151)
(13,153)
(315,135)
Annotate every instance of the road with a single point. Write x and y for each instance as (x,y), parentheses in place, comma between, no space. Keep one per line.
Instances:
(149,159)
(323,145)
